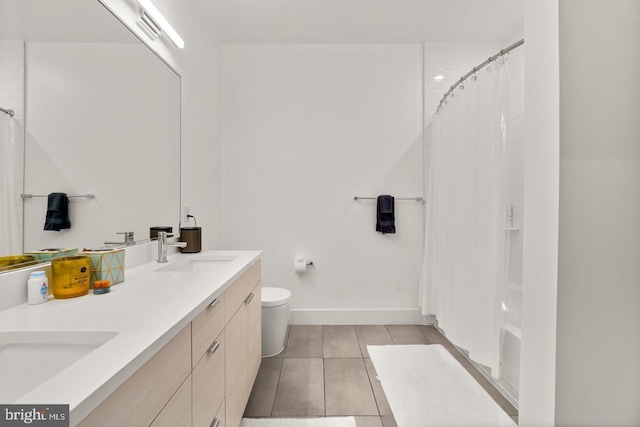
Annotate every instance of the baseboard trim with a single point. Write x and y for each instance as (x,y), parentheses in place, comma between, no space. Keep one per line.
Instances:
(359,317)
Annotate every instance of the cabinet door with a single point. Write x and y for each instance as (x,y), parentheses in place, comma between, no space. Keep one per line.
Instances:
(254,334)
(237,375)
(140,399)
(178,411)
(209,383)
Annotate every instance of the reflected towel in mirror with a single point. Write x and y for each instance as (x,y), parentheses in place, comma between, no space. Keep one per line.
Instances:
(57,212)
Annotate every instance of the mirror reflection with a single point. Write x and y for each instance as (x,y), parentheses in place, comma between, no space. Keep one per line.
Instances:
(96,112)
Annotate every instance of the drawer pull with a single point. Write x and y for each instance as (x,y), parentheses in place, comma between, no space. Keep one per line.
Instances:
(214,303)
(214,347)
(249,298)
(215,423)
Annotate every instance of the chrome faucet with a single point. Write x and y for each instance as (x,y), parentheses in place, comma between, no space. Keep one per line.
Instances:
(163,244)
(128,239)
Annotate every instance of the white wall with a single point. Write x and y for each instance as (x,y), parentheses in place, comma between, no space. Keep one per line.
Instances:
(200,66)
(540,252)
(598,346)
(307,128)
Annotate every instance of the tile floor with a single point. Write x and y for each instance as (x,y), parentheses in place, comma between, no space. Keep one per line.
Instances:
(326,371)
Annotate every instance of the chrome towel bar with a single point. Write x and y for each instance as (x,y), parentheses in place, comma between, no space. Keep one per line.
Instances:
(417,199)
(30,196)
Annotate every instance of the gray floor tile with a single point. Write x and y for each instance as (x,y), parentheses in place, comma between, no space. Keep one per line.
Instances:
(388,421)
(368,421)
(406,334)
(301,388)
(299,383)
(378,392)
(372,335)
(435,337)
(502,401)
(304,341)
(264,389)
(347,388)
(340,341)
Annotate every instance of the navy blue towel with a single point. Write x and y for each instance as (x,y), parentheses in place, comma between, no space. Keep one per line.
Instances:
(57,212)
(385,218)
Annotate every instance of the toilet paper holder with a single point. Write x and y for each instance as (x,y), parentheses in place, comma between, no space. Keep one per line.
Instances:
(300,258)
(300,264)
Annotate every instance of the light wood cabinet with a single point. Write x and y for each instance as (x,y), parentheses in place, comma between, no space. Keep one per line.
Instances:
(204,375)
(178,411)
(209,383)
(220,417)
(236,368)
(206,327)
(237,294)
(254,335)
(140,399)
(243,333)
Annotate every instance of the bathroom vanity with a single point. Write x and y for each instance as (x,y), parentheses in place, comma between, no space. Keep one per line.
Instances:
(175,344)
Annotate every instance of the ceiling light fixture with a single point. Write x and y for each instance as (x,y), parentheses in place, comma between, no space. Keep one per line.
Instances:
(153,23)
(438,78)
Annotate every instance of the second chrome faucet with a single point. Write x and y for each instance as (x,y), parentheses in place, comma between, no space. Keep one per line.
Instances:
(163,245)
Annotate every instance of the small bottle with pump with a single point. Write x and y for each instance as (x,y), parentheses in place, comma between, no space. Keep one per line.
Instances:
(37,288)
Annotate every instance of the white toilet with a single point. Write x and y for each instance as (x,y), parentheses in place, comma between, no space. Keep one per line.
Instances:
(275,318)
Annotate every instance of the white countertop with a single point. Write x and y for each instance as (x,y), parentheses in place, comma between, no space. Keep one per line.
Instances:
(147,310)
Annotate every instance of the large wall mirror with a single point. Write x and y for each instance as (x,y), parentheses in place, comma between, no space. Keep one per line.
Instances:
(96,112)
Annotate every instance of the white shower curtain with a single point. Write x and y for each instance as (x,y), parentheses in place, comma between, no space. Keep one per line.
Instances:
(9,234)
(464,273)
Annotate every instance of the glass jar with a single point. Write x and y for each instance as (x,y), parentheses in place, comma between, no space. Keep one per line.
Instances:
(70,276)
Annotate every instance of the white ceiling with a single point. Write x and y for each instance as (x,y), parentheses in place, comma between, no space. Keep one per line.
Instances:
(364,21)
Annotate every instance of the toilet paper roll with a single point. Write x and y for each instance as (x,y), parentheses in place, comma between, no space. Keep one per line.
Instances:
(300,264)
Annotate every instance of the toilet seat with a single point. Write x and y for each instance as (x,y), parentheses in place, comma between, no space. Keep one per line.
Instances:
(275,297)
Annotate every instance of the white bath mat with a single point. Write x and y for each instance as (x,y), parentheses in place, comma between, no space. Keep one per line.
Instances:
(427,387)
(299,422)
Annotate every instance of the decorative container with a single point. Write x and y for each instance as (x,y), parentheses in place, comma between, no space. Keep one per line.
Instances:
(106,264)
(70,276)
(101,287)
(46,254)
(153,231)
(16,261)
(193,237)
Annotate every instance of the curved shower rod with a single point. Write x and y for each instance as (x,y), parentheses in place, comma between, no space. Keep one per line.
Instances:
(479,67)
(9,112)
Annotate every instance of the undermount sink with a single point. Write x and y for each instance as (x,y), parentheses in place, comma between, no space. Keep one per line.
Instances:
(200,264)
(28,359)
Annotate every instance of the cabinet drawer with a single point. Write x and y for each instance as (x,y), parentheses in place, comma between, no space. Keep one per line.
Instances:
(220,417)
(209,383)
(178,410)
(206,327)
(236,294)
(138,400)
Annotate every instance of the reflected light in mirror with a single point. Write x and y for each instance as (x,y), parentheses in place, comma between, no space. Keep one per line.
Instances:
(160,20)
